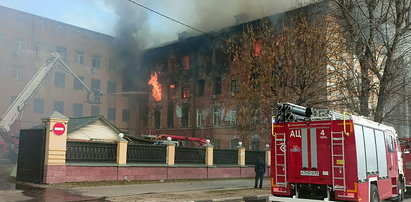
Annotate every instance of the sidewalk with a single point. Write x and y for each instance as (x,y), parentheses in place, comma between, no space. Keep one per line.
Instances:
(113,193)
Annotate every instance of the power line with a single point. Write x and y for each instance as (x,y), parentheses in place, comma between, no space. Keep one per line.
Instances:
(172,19)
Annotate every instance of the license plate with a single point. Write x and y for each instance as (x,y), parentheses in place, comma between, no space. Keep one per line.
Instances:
(310,173)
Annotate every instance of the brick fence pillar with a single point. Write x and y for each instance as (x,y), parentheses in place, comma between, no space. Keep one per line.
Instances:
(209,153)
(121,150)
(171,153)
(241,154)
(55,151)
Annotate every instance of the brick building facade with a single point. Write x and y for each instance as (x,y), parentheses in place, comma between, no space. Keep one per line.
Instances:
(26,41)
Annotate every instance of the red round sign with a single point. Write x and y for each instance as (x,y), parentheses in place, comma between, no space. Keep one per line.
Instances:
(59,128)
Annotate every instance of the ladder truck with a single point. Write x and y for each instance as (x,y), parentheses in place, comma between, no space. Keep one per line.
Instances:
(15,110)
(326,155)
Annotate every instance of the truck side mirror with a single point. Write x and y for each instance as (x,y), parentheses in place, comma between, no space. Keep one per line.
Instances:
(406,151)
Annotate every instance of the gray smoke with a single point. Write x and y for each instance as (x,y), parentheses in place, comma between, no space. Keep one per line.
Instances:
(151,29)
(138,28)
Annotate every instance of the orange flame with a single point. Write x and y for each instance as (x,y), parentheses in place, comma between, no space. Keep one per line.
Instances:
(156,90)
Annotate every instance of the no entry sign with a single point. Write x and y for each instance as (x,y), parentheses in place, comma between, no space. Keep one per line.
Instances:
(59,128)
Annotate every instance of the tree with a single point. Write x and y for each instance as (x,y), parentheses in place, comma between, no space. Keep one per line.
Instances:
(277,61)
(373,51)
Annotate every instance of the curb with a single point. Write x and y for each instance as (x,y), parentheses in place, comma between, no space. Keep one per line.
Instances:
(257,198)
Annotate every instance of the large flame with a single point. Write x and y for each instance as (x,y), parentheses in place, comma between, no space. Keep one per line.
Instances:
(156,90)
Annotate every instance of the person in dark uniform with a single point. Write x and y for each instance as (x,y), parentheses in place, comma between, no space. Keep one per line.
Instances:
(259,169)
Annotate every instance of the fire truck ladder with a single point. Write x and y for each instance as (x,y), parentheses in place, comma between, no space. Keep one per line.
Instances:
(280,160)
(338,161)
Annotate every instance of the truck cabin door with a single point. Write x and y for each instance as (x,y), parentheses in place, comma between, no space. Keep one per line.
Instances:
(391,154)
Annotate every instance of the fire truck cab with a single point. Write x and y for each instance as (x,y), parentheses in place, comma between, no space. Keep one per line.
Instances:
(321,154)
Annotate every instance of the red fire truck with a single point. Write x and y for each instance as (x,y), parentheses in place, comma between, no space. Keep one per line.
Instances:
(322,154)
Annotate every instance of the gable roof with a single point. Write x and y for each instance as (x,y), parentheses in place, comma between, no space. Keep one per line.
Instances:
(76,123)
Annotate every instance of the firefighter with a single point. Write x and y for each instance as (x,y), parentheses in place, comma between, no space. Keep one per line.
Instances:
(259,169)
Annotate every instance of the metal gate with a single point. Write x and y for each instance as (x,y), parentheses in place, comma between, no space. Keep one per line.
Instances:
(30,163)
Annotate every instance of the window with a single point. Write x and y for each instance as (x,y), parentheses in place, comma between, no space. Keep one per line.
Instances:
(186,62)
(60,80)
(126,115)
(111,115)
(63,52)
(234,143)
(199,117)
(217,86)
(216,143)
(184,117)
(96,61)
(255,144)
(157,119)
(77,84)
(17,72)
(217,114)
(201,85)
(232,117)
(185,92)
(172,64)
(95,110)
(111,87)
(111,66)
(38,106)
(170,115)
(19,45)
(235,84)
(77,110)
(59,106)
(39,49)
(95,85)
(79,57)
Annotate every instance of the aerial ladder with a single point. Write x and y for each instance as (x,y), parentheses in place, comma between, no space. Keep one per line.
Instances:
(15,110)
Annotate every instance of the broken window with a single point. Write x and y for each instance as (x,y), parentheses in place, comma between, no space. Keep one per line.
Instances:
(219,56)
(201,86)
(257,48)
(217,114)
(172,64)
(170,115)
(185,92)
(186,60)
(157,119)
(235,84)
(217,85)
(184,117)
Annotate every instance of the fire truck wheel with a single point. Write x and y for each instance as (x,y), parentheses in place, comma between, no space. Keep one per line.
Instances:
(374,196)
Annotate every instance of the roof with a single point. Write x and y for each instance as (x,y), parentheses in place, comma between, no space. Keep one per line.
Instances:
(76,123)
